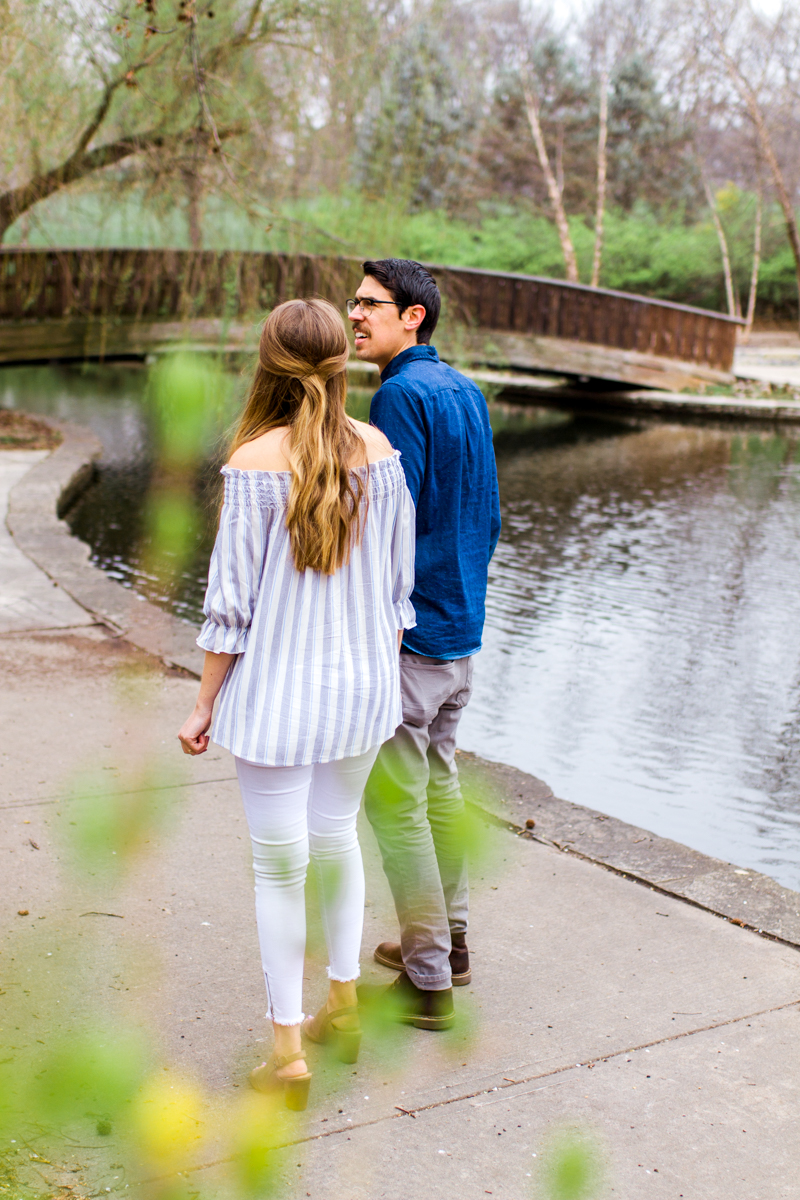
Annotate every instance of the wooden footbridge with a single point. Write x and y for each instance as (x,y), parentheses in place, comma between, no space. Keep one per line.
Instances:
(79,304)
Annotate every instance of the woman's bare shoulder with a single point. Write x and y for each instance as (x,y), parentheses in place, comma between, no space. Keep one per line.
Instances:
(264,453)
(377,443)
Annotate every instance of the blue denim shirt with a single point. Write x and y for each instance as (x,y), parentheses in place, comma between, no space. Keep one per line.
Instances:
(439,422)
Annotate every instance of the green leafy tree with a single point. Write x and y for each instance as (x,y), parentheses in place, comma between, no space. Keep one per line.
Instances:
(171,84)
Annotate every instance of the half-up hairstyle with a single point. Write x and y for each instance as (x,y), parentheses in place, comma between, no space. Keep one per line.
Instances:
(300,382)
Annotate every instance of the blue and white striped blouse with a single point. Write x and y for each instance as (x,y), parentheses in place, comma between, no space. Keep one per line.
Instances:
(317,676)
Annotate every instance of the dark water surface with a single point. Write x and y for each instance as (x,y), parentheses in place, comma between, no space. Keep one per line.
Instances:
(642,648)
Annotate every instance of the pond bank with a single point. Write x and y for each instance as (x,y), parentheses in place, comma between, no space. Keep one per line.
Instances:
(34,507)
(745,897)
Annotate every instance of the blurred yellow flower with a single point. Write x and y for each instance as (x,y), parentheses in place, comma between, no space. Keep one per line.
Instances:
(167,1120)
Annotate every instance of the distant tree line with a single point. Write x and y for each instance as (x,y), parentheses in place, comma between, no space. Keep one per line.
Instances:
(677,111)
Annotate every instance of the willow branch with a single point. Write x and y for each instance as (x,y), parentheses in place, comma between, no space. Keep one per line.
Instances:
(18,200)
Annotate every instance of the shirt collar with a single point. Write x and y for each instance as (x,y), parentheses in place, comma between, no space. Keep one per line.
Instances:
(407,356)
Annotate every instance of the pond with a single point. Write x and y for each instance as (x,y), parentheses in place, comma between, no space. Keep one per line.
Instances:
(642,645)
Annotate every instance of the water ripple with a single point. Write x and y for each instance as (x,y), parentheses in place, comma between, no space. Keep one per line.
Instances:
(642,649)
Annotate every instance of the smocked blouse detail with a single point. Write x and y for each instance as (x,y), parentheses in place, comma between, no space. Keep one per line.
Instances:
(316,676)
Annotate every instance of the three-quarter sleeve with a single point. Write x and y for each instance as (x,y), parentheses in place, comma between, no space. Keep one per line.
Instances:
(235,570)
(403,543)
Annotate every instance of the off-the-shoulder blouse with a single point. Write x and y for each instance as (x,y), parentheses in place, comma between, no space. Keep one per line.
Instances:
(317,676)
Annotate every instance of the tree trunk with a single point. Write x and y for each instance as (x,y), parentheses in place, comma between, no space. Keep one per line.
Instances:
(567,249)
(560,158)
(723,245)
(602,165)
(780,185)
(751,299)
(765,142)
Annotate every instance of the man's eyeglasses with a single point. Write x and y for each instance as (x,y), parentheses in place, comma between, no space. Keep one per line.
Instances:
(366,304)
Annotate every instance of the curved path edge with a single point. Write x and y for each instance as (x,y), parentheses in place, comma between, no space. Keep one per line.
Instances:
(35,507)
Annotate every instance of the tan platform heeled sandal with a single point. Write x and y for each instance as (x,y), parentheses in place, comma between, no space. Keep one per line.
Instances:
(346,1042)
(295,1087)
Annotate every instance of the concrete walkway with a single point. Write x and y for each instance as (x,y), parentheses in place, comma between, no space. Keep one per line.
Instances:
(770,358)
(668,1033)
(28,599)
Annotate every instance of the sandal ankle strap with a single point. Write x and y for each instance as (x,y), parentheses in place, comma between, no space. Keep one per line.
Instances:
(283,1060)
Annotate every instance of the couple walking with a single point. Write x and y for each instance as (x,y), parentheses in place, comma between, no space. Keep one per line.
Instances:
(312,591)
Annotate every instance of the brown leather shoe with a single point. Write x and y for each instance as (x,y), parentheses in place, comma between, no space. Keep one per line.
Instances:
(388,954)
(403,1001)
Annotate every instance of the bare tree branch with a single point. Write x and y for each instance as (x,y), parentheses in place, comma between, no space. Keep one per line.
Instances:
(750,97)
(108,95)
(567,249)
(252,17)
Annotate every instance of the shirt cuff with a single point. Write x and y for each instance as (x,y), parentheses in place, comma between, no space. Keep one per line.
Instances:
(222,639)
(404,614)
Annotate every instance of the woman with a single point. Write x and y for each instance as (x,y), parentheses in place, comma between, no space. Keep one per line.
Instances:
(306,603)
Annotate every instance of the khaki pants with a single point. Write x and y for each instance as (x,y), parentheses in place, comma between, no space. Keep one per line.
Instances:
(414,804)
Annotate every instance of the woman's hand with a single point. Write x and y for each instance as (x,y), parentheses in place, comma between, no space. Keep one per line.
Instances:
(193,734)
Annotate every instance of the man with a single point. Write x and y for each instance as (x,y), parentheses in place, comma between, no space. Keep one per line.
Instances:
(439,421)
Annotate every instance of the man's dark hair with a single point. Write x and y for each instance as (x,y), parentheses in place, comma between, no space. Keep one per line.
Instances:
(407,282)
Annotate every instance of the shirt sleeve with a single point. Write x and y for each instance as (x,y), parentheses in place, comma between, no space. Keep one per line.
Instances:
(403,542)
(234,577)
(398,415)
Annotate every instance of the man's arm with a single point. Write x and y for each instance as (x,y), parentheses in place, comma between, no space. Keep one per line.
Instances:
(398,415)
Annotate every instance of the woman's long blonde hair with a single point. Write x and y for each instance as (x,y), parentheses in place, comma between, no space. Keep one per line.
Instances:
(300,383)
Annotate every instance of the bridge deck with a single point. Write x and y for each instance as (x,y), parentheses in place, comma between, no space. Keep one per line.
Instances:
(79,303)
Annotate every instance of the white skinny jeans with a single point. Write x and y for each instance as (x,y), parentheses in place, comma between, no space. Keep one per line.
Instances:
(294,812)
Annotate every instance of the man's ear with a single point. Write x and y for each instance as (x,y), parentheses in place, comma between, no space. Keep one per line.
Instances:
(413,317)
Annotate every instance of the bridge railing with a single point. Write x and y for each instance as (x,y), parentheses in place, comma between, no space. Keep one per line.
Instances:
(158,285)
(161,284)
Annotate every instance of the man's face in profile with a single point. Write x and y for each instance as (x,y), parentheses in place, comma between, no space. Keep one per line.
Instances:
(379,328)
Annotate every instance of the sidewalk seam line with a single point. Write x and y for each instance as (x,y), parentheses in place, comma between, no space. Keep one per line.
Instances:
(397,1116)
(68,799)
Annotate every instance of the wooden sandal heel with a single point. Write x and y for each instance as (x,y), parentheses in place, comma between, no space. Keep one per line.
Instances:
(295,1088)
(346,1042)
